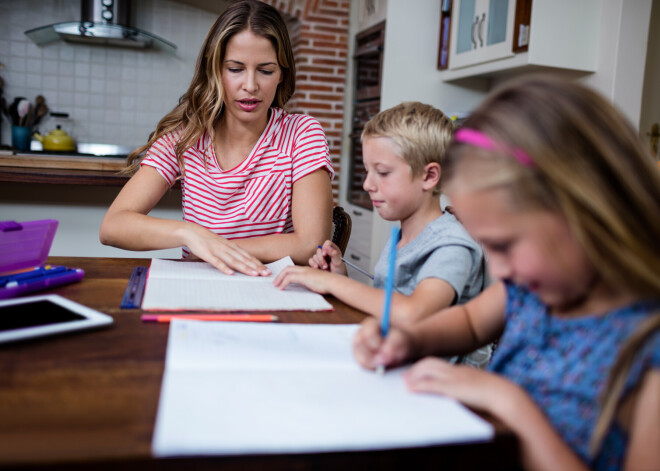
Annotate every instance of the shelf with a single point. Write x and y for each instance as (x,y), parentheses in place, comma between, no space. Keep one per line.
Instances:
(562,38)
(60,169)
(508,66)
(61,176)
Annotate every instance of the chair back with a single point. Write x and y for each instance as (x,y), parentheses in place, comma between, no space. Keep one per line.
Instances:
(341,232)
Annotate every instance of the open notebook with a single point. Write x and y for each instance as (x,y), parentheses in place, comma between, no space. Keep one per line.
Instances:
(241,388)
(198,286)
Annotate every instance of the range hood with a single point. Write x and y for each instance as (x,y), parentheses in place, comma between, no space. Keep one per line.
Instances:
(103,22)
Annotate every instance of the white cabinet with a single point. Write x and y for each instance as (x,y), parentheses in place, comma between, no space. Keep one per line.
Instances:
(358,251)
(483,31)
(558,34)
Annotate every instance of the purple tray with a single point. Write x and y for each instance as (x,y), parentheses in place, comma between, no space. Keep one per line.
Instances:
(25,244)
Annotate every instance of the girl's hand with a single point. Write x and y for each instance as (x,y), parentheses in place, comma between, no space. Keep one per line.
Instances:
(328,258)
(372,351)
(475,388)
(223,254)
(315,280)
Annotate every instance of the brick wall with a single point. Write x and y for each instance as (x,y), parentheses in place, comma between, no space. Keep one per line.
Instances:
(319,35)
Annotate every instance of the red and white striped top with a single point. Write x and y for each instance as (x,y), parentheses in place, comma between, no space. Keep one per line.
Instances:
(254,198)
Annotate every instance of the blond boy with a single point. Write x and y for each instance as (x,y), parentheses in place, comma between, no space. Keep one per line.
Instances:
(438,264)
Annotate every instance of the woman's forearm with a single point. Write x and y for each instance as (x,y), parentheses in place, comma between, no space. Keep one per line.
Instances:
(134,231)
(276,246)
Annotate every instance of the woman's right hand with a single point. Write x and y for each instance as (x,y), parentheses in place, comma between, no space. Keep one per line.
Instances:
(223,254)
(372,351)
(328,257)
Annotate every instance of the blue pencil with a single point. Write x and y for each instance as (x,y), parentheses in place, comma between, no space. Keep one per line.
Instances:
(389,287)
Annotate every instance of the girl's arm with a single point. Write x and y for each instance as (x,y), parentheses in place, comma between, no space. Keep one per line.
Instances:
(430,295)
(312,222)
(455,330)
(464,328)
(644,430)
(541,446)
(127,225)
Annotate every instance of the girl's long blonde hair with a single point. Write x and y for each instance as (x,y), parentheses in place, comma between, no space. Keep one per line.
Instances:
(201,107)
(590,165)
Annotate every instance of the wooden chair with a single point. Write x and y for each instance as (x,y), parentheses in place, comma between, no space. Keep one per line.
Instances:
(341,231)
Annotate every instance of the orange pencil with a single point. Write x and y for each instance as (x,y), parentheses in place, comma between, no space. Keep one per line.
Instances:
(210,317)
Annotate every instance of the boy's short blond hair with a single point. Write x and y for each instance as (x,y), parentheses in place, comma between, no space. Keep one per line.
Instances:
(421,131)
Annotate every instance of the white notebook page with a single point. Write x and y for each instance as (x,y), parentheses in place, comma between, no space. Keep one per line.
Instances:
(232,388)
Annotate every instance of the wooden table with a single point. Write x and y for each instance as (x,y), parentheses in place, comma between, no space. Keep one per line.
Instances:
(88,400)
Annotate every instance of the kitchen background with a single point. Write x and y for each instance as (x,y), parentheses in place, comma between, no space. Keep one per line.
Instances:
(112,95)
(117,96)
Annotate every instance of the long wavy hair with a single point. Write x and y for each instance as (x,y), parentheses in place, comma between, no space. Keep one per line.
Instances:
(201,107)
(589,164)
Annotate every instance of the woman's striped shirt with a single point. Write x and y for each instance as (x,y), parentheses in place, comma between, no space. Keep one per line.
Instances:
(254,198)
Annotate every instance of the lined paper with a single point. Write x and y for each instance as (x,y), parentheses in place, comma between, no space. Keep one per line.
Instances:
(198,286)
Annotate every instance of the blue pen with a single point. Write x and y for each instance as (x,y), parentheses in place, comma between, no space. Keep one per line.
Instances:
(50,278)
(389,287)
(37,273)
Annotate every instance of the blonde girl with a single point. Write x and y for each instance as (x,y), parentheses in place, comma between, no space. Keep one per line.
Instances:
(564,197)
(255,180)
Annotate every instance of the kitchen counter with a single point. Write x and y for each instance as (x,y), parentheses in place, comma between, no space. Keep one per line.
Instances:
(61,169)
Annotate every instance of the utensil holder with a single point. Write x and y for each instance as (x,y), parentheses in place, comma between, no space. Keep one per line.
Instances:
(21,137)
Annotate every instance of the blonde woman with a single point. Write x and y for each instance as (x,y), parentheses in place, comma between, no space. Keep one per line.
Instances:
(564,198)
(255,180)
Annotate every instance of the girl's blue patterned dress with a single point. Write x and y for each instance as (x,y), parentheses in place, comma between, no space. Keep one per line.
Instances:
(564,363)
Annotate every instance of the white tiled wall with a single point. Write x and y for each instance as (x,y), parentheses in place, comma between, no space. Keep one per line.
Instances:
(112,95)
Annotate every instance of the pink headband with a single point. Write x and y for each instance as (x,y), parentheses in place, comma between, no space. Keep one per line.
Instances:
(479,139)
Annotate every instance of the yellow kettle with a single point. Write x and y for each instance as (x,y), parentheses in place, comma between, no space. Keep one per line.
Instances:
(57,140)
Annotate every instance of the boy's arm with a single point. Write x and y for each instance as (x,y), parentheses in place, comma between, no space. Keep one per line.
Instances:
(352,292)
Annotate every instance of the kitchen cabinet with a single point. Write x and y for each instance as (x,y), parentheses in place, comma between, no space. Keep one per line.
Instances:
(552,34)
(358,251)
(368,60)
(483,31)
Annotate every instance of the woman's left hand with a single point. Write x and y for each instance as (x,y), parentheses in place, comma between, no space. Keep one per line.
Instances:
(475,388)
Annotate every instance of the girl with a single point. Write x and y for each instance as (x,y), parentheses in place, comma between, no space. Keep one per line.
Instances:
(564,197)
(250,172)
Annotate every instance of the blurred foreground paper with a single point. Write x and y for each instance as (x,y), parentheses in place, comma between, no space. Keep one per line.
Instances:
(236,388)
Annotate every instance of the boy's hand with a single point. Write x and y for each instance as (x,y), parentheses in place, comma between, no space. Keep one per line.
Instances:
(372,351)
(328,258)
(316,280)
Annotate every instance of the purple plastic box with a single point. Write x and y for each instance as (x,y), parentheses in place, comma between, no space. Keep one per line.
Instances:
(25,244)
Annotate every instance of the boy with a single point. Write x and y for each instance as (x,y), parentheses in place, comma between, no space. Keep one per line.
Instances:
(438,264)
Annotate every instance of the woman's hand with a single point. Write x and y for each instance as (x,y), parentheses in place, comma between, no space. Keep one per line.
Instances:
(223,254)
(316,280)
(473,387)
(372,351)
(328,258)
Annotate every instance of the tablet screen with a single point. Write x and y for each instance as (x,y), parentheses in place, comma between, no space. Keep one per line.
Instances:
(37,316)
(18,316)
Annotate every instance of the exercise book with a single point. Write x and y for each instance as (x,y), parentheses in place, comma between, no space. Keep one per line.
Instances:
(198,286)
(236,388)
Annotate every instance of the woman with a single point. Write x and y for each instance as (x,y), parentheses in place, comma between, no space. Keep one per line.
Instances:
(255,179)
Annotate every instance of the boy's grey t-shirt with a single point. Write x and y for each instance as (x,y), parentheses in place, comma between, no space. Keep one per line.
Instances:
(443,250)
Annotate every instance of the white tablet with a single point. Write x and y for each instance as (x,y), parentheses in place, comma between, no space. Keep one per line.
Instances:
(38,316)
